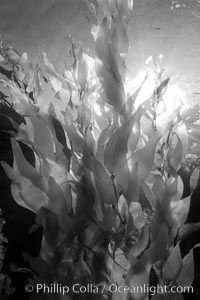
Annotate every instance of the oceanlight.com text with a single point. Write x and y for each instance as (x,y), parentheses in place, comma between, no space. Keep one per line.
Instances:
(56,288)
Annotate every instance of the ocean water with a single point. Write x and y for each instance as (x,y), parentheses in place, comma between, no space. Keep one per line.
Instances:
(170,27)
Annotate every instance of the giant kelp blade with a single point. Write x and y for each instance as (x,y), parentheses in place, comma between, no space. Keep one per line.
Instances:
(107,69)
(186,229)
(25,168)
(74,134)
(132,191)
(58,203)
(194,179)
(186,276)
(117,147)
(50,224)
(159,240)
(137,277)
(173,265)
(180,210)
(141,244)
(101,144)
(145,157)
(42,138)
(104,183)
(112,87)
(24,192)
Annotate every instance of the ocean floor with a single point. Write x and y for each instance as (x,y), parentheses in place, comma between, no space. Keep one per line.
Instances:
(170,27)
